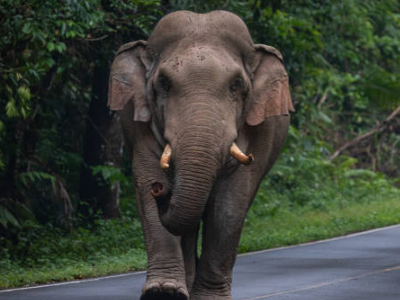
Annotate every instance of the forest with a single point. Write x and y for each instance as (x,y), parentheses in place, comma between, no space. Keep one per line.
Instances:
(67,204)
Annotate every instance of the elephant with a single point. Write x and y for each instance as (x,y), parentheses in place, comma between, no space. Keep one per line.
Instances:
(193,99)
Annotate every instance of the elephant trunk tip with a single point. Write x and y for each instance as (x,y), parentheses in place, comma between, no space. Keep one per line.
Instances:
(157,189)
(180,229)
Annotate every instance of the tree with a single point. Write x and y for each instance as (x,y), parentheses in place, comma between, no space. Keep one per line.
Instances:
(53,69)
(55,131)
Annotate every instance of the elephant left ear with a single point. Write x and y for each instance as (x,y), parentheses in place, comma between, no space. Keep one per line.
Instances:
(271,95)
(127,80)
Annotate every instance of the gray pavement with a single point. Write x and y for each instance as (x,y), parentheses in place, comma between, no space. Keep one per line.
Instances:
(362,266)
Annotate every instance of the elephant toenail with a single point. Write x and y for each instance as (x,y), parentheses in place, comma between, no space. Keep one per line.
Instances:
(169,288)
(153,287)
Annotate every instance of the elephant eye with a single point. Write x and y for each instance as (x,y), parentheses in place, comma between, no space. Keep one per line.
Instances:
(165,82)
(236,85)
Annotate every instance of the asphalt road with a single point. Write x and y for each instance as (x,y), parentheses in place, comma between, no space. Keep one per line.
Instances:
(361,266)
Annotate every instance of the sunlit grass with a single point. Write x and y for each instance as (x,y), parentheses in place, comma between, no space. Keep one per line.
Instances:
(289,227)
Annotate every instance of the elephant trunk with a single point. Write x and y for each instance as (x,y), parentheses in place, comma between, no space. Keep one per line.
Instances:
(195,168)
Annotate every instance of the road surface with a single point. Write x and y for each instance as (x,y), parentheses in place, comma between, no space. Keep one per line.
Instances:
(361,266)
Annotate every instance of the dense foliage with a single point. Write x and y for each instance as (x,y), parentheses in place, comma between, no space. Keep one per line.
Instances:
(344,66)
(51,55)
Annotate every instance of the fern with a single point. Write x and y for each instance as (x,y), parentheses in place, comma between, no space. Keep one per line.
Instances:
(13,213)
(110,174)
(33,176)
(7,217)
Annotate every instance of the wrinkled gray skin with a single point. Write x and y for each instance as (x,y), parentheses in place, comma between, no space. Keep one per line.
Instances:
(200,84)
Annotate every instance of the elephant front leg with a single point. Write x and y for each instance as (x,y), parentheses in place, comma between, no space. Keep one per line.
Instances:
(165,264)
(166,277)
(227,209)
(189,248)
(223,222)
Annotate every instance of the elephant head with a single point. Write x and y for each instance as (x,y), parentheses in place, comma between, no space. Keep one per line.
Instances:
(197,81)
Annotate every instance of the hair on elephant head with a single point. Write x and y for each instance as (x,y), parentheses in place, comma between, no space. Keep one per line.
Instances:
(198,81)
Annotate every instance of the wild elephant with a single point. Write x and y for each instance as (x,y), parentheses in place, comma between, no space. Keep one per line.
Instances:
(193,99)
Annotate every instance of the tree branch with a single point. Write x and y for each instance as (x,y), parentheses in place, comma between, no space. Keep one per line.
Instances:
(322,100)
(378,128)
(95,39)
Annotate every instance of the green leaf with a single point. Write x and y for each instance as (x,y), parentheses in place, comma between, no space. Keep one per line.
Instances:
(59,48)
(62,46)
(36,176)
(383,89)
(360,173)
(24,93)
(49,62)
(50,46)
(71,34)
(6,217)
(11,110)
(324,117)
(27,28)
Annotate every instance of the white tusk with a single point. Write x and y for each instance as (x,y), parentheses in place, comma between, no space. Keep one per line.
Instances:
(240,156)
(166,157)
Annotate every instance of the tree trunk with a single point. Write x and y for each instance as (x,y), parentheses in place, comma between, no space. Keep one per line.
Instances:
(102,146)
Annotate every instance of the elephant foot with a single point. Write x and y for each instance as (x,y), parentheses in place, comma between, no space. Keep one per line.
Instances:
(164,290)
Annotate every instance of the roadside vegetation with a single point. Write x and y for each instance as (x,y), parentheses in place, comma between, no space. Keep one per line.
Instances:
(359,200)
(67,207)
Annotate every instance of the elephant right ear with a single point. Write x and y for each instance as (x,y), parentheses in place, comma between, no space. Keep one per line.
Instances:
(127,80)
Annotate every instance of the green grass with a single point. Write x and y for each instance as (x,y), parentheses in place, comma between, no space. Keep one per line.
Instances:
(308,202)
(289,227)
(318,199)
(15,275)
(286,227)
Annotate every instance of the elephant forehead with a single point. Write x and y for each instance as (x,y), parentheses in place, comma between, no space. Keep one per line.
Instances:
(218,28)
(200,59)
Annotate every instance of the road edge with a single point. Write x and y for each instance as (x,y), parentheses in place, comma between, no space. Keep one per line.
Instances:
(240,255)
